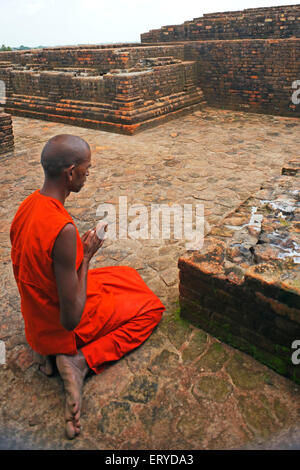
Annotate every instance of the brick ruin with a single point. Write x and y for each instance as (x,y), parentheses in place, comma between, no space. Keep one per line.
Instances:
(6,133)
(245,60)
(252,23)
(113,88)
(244,285)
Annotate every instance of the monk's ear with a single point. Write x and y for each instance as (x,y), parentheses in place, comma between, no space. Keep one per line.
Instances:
(69,172)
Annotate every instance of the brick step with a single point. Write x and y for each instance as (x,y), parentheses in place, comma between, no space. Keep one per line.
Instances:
(44,100)
(122,124)
(164,105)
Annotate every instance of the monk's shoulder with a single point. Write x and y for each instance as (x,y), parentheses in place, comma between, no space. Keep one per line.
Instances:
(68,231)
(65,242)
(52,215)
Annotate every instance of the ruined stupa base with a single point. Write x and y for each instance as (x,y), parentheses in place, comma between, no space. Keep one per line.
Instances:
(121,90)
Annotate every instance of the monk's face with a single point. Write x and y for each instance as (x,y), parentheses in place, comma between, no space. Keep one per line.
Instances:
(80,173)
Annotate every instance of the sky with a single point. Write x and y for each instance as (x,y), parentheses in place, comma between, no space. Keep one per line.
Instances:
(64,22)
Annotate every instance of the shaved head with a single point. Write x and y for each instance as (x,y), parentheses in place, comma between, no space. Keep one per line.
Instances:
(63,151)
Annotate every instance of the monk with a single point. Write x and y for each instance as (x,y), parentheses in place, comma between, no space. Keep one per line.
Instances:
(83,318)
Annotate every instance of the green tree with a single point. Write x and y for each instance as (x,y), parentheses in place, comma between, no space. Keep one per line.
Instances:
(5,48)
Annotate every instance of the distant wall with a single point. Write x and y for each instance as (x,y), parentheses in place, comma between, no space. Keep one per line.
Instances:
(276,22)
(248,75)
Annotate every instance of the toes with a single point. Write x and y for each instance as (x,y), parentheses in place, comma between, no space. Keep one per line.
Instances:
(70,430)
(46,370)
(77,429)
(72,408)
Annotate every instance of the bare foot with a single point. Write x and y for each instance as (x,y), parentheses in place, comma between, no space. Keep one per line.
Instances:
(73,370)
(44,362)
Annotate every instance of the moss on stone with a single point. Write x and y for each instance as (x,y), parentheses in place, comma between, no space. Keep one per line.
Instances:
(155,416)
(177,331)
(212,388)
(281,411)
(193,425)
(116,416)
(257,416)
(142,390)
(214,359)
(276,363)
(243,374)
(164,362)
(268,379)
(179,319)
(195,347)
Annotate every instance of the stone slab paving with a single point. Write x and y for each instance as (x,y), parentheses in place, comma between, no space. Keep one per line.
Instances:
(182,389)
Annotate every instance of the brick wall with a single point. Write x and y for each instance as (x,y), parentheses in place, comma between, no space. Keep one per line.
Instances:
(101,59)
(153,83)
(276,22)
(249,75)
(157,89)
(162,81)
(6,133)
(63,85)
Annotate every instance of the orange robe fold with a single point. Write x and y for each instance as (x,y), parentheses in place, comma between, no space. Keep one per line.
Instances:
(120,311)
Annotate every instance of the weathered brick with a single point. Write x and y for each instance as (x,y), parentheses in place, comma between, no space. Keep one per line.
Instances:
(6,133)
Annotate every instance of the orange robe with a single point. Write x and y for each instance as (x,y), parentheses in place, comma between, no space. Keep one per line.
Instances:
(120,311)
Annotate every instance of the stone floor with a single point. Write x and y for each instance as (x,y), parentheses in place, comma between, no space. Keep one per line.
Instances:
(182,389)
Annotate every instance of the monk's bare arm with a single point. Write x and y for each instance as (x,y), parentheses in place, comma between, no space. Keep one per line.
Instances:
(71,284)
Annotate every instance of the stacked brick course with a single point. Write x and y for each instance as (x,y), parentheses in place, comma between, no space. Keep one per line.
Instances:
(244,285)
(247,60)
(99,58)
(6,133)
(249,75)
(276,22)
(113,88)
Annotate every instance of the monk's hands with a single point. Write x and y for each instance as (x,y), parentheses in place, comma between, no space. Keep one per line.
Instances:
(91,243)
